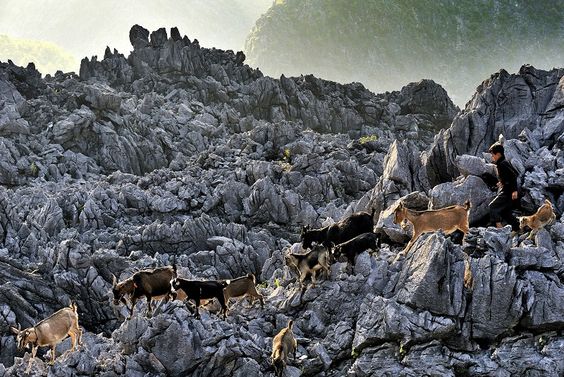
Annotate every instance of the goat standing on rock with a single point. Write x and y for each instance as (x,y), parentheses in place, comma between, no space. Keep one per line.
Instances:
(342,231)
(199,290)
(50,332)
(447,219)
(283,344)
(544,216)
(153,284)
(310,263)
(357,245)
(244,285)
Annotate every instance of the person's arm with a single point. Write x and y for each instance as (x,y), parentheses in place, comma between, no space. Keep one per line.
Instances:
(508,179)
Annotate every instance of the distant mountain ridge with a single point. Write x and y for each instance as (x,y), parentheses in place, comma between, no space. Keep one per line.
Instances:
(387,44)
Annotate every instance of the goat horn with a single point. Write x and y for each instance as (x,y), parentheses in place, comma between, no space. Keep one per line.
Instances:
(114,280)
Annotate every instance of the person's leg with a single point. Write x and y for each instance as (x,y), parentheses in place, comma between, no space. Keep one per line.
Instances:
(497,206)
(507,215)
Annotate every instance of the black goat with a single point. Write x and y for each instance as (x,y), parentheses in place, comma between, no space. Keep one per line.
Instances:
(153,284)
(357,245)
(342,231)
(198,289)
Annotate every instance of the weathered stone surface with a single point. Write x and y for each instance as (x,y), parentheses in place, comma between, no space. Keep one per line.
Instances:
(183,155)
(504,308)
(479,125)
(383,320)
(432,277)
(544,308)
(470,188)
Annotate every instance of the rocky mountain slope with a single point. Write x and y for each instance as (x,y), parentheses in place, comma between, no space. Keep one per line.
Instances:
(179,154)
(382,43)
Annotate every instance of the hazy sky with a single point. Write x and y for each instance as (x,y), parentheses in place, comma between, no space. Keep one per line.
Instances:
(85,28)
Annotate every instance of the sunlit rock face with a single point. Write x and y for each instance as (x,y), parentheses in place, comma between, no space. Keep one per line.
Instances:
(183,155)
(386,45)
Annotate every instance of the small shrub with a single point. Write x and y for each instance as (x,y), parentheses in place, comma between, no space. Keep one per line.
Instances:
(355,353)
(367,139)
(402,351)
(33,169)
(277,283)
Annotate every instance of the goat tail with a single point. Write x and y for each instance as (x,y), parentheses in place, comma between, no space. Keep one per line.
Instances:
(467,204)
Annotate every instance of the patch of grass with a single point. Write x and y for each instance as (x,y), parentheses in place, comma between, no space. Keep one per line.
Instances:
(367,139)
(33,169)
(402,351)
(277,283)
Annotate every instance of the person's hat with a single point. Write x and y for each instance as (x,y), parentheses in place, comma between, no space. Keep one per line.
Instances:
(496,148)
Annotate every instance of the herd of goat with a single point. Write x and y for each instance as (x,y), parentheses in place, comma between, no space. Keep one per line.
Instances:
(346,238)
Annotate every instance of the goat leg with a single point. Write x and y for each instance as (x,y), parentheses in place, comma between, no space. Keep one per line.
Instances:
(197,308)
(149,312)
(33,353)
(133,302)
(52,355)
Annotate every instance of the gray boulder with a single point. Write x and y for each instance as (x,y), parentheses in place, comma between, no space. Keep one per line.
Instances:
(432,277)
(470,188)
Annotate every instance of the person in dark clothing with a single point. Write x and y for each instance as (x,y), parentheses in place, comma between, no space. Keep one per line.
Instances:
(507,195)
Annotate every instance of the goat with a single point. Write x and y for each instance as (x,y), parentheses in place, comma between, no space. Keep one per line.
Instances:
(309,263)
(447,219)
(244,285)
(283,344)
(50,332)
(544,216)
(357,245)
(197,290)
(153,284)
(342,231)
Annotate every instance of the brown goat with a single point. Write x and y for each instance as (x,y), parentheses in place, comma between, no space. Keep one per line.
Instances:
(447,219)
(153,284)
(50,332)
(244,285)
(283,344)
(544,216)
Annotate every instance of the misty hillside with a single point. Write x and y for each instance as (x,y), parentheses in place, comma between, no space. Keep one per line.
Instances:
(47,57)
(182,155)
(384,44)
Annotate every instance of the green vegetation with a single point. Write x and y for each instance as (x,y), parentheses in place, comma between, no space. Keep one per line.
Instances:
(47,56)
(402,351)
(386,44)
(33,169)
(287,154)
(277,283)
(367,139)
(355,353)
